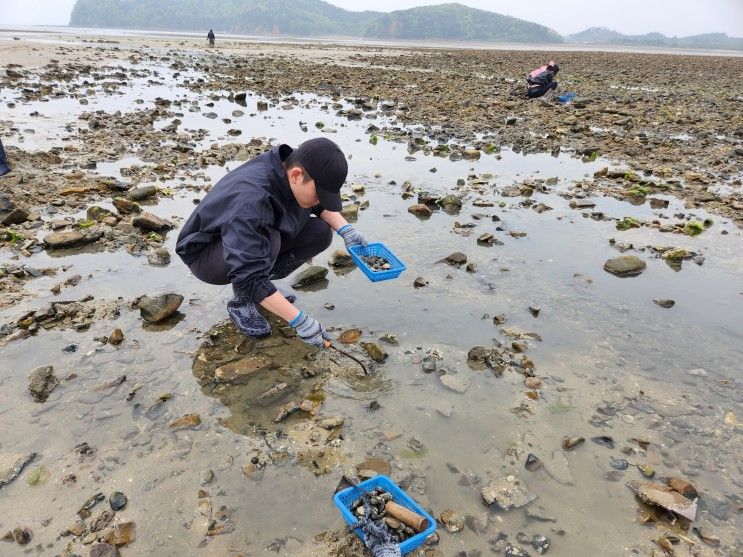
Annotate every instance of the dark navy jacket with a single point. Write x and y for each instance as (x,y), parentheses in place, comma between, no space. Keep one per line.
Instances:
(241,210)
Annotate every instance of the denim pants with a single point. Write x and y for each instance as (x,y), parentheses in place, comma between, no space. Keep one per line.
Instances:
(286,257)
(535,92)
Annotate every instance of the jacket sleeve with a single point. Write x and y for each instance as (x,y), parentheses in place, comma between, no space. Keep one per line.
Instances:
(246,242)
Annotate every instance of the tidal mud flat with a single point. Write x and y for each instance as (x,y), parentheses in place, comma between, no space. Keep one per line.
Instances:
(574,271)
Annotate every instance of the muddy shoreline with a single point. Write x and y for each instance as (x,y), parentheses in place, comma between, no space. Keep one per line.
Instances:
(512,328)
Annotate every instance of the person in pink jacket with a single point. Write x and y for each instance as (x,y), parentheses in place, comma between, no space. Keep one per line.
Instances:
(542,79)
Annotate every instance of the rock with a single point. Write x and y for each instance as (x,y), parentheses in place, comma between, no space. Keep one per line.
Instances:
(471,154)
(581,204)
(456,258)
(676,254)
(117,500)
(142,193)
(454,383)
(309,276)
(374,351)
(420,210)
(558,468)
(452,520)
(16,216)
(540,543)
(207,476)
(508,492)
(116,337)
(152,223)
(664,303)
(241,368)
(428,364)
(534,310)
(126,206)
(97,214)
(77,529)
(22,536)
(665,497)
(285,410)
(159,257)
(450,202)
(121,534)
(390,339)
(104,550)
(350,212)
(533,463)
(331,423)
(515,551)
(41,382)
(12,464)
(189,420)
(533,382)
(350,336)
(625,266)
(683,487)
(341,259)
(70,239)
(420,282)
(155,309)
(101,521)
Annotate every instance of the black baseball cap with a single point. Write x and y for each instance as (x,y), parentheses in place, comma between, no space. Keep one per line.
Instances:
(326,164)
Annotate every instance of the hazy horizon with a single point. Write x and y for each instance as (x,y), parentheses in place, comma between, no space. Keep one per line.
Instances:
(682,18)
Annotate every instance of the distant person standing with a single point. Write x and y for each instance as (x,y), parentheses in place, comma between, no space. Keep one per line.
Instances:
(210,37)
(4,168)
(542,79)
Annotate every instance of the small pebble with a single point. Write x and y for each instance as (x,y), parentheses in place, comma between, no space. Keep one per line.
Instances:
(117,500)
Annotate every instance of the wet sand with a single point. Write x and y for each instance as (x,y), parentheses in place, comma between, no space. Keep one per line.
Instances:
(554,185)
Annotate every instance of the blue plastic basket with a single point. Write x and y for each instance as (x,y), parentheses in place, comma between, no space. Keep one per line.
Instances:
(396,266)
(567,97)
(344,499)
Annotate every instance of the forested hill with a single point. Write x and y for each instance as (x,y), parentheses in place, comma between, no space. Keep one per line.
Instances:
(602,35)
(457,22)
(309,18)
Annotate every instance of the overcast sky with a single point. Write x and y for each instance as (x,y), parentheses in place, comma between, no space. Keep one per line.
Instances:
(677,17)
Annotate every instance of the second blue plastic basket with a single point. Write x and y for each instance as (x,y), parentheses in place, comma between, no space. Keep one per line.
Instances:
(344,500)
(396,266)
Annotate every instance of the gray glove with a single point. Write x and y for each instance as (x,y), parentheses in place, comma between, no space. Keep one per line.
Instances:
(351,236)
(309,330)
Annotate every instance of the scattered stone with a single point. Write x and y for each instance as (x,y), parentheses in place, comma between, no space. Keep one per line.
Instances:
(665,497)
(309,276)
(619,464)
(126,206)
(428,364)
(286,410)
(350,336)
(22,535)
(121,534)
(646,470)
(16,216)
(515,551)
(625,266)
(665,303)
(101,521)
(116,337)
(341,259)
(70,239)
(456,258)
(12,464)
(534,310)
(559,469)
(152,223)
(331,423)
(159,257)
(390,339)
(142,193)
(420,210)
(117,500)
(374,351)
(452,520)
(155,309)
(454,383)
(532,463)
(243,367)
(533,382)
(41,382)
(540,543)
(373,467)
(104,550)
(189,420)
(420,282)
(508,492)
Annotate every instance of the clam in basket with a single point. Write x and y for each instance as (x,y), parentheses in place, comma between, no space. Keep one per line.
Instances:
(380,250)
(345,499)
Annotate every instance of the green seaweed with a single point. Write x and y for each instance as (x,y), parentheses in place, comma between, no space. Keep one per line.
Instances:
(626,223)
(694,228)
(638,191)
(85,223)
(559,407)
(373,139)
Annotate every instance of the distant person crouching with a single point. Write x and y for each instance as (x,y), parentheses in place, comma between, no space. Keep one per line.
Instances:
(542,79)
(4,168)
